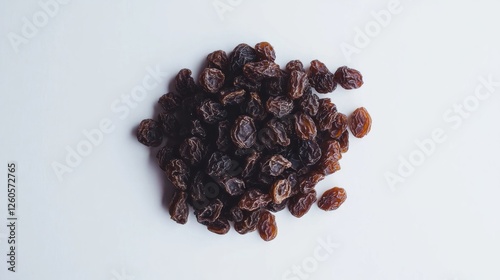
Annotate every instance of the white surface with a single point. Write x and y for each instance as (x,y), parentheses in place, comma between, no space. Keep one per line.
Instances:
(104,220)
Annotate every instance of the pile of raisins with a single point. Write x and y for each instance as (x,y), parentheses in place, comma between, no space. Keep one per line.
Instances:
(249,138)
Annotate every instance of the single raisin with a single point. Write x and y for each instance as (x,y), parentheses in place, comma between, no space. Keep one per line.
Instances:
(211,112)
(236,214)
(308,182)
(217,59)
(259,70)
(212,80)
(243,132)
(332,199)
(253,107)
(309,152)
(220,226)
(309,104)
(232,96)
(300,204)
(348,78)
(279,106)
(192,150)
(210,213)
(178,208)
(275,165)
(344,142)
(165,154)
(298,84)
(360,122)
(241,55)
(265,51)
(338,126)
(249,222)
(267,226)
(223,140)
(170,101)
(169,123)
(150,133)
(184,83)
(280,190)
(305,128)
(294,65)
(218,164)
(233,185)
(253,199)
(178,173)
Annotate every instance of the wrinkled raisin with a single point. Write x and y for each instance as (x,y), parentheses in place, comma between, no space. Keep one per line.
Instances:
(243,132)
(218,59)
(219,226)
(305,128)
(300,204)
(178,208)
(211,111)
(294,65)
(212,80)
(360,122)
(298,84)
(150,133)
(275,165)
(332,199)
(170,101)
(348,78)
(265,51)
(267,226)
(253,199)
(259,70)
(192,150)
(279,106)
(280,191)
(178,173)
(321,78)
(184,83)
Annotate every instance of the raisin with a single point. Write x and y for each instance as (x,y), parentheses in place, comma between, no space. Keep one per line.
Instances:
(279,134)
(280,191)
(196,128)
(254,107)
(275,165)
(170,101)
(321,78)
(223,141)
(279,106)
(192,150)
(274,207)
(164,155)
(178,208)
(250,165)
(344,142)
(259,70)
(178,173)
(309,104)
(219,226)
(348,78)
(308,182)
(243,132)
(360,122)
(211,112)
(253,199)
(169,123)
(305,128)
(298,84)
(267,226)
(338,126)
(332,199)
(232,96)
(249,222)
(294,65)
(265,51)
(275,86)
(300,204)
(150,133)
(236,214)
(218,59)
(212,80)
(243,82)
(240,56)
(184,83)
(233,185)
(309,152)
(210,213)
(218,164)
(327,112)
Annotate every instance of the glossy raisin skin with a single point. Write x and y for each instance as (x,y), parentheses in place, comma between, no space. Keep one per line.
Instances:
(348,78)
(178,208)
(150,133)
(218,59)
(178,173)
(275,165)
(321,78)
(300,204)
(360,122)
(267,226)
(305,128)
(240,56)
(253,199)
(265,51)
(170,101)
(279,106)
(280,191)
(294,65)
(184,83)
(248,223)
(212,80)
(298,84)
(192,150)
(259,70)
(332,199)
(244,132)
(220,226)
(211,112)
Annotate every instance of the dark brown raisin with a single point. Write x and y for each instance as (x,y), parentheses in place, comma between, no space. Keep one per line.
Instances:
(218,59)
(332,199)
(253,199)
(344,142)
(327,112)
(184,83)
(309,181)
(298,84)
(220,226)
(305,128)
(253,107)
(300,204)
(294,65)
(309,104)
(279,106)
(275,86)
(243,132)
(243,82)
(360,122)
(233,185)
(212,80)
(210,213)
(223,141)
(273,207)
(265,51)
(280,190)
(170,101)
(348,78)
(150,133)
(169,123)
(275,165)
(218,164)
(178,173)
(338,126)
(279,134)
(236,214)
(250,165)
(249,222)
(267,226)
(178,207)
(259,70)
(165,154)
(211,112)
(196,128)
(192,150)
(232,96)
(241,55)
(309,152)
(321,78)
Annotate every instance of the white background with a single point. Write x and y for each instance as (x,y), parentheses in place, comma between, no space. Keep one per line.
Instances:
(105,219)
